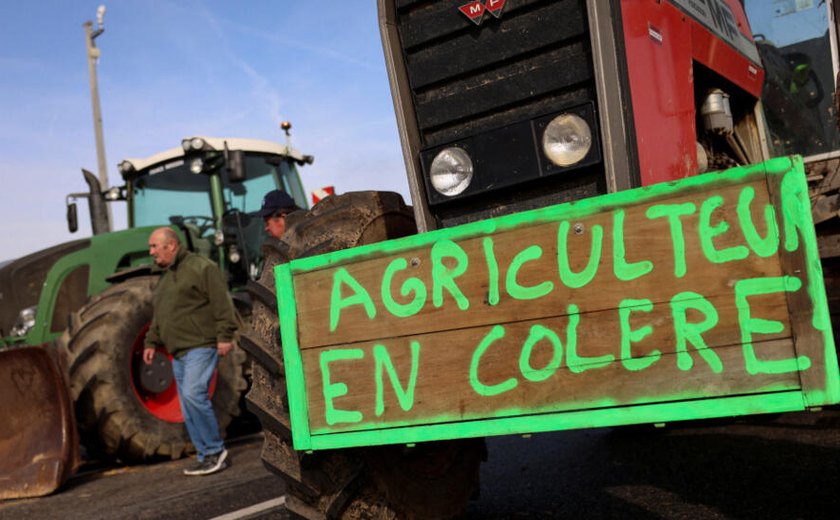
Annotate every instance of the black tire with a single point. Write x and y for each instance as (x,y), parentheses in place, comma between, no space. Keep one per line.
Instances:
(100,348)
(431,480)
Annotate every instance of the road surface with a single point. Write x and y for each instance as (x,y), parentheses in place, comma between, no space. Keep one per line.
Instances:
(158,491)
(787,467)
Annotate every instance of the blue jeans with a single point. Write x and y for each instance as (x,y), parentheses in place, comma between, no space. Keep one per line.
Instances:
(193,373)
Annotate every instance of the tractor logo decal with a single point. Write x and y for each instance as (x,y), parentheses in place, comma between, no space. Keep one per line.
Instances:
(475,10)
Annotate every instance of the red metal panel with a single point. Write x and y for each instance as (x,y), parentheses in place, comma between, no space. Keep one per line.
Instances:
(725,60)
(658,45)
(662,43)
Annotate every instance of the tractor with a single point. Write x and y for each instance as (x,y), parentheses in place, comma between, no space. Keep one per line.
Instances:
(75,315)
(509,108)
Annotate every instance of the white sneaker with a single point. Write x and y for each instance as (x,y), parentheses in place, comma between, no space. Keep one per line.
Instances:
(211,464)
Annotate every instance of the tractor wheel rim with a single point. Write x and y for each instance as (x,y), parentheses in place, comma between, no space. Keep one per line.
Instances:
(163,404)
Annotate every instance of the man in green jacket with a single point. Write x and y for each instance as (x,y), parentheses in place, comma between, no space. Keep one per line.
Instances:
(195,320)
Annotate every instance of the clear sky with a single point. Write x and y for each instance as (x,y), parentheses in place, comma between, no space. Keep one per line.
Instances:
(177,68)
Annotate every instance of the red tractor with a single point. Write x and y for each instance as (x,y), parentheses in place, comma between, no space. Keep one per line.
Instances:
(503,107)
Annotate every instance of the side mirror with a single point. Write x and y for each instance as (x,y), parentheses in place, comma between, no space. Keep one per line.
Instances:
(72,217)
(235,164)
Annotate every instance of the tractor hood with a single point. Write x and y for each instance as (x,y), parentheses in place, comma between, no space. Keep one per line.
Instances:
(21,280)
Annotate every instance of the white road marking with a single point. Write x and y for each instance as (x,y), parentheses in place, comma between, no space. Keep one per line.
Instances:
(252,510)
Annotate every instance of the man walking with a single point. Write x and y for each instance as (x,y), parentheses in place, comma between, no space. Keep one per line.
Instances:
(195,319)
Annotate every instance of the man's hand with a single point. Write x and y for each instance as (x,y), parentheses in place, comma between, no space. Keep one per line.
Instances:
(148,355)
(224,347)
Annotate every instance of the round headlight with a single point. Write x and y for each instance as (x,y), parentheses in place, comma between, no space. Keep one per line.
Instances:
(567,139)
(233,255)
(24,323)
(27,316)
(197,143)
(219,237)
(451,171)
(196,165)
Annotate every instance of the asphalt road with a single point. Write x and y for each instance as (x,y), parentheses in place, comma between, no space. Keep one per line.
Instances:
(158,491)
(786,467)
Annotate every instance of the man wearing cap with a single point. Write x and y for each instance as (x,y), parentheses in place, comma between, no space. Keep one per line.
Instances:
(275,206)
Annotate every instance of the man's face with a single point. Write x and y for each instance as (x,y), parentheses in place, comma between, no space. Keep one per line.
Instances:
(275,225)
(162,249)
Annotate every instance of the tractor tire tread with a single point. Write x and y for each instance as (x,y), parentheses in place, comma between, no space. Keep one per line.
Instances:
(347,483)
(97,346)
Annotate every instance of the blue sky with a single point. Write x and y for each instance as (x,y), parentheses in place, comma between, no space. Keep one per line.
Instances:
(176,68)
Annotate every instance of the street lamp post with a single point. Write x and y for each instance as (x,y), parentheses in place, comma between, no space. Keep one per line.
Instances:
(93,56)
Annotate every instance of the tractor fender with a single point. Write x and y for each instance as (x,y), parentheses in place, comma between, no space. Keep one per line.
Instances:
(132,272)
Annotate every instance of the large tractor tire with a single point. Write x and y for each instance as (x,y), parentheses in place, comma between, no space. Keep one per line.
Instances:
(125,409)
(430,480)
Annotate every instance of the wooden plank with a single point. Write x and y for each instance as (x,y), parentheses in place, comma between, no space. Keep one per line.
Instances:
(829,245)
(439,403)
(825,207)
(599,376)
(776,402)
(808,309)
(648,239)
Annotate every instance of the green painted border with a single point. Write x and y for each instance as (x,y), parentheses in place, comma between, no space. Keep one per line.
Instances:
(710,403)
(830,393)
(296,386)
(768,402)
(637,414)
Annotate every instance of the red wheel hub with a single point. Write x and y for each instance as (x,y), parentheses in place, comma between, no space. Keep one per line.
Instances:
(156,389)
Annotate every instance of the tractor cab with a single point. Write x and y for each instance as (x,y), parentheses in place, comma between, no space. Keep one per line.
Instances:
(798,45)
(207,188)
(797,42)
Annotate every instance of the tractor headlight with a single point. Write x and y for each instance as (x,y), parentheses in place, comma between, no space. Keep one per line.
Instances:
(25,321)
(567,139)
(196,165)
(195,144)
(451,171)
(233,255)
(219,237)
(114,193)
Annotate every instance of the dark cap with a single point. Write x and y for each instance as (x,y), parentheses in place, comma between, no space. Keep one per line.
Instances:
(274,201)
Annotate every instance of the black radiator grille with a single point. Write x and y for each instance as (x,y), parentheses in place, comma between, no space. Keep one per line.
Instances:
(466,79)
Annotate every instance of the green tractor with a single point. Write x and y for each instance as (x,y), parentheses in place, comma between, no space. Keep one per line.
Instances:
(88,303)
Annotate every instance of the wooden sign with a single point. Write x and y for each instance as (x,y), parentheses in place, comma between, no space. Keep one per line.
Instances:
(693,299)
